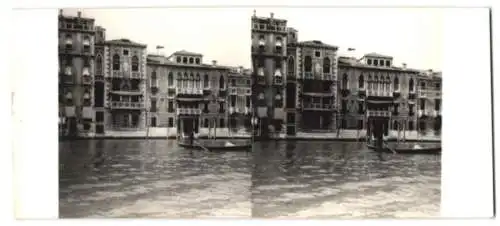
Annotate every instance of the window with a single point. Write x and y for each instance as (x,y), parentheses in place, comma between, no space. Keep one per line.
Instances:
(326,65)
(317,54)
(438,86)
(361,81)
(375,62)
(178,59)
(437,104)
(233,82)
(135,63)
(205,81)
(116,62)
(98,65)
(125,52)
(345,82)
(248,101)
(278,101)
(153,121)
(191,60)
(291,66)
(222,123)
(99,94)
(170,106)
(221,82)
(422,85)
(360,124)
(290,118)
(308,64)
(369,61)
(410,126)
(387,63)
(170,122)
(153,105)
(422,104)
(184,60)
(198,61)
(170,79)
(395,125)
(68,42)
(86,44)
(86,126)
(99,116)
(135,120)
(99,129)
(396,84)
(411,85)
(205,123)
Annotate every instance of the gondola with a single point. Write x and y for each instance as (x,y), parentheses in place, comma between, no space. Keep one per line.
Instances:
(408,148)
(217,145)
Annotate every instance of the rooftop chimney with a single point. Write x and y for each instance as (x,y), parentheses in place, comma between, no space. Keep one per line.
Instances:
(272,15)
(79,14)
(214,62)
(254,12)
(60,12)
(404,65)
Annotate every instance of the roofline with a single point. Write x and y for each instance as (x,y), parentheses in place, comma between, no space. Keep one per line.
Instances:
(340,64)
(173,64)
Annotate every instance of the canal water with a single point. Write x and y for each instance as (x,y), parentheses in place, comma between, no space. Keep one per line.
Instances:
(155,178)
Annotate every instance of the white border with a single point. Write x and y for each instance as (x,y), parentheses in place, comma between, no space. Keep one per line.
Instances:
(466,168)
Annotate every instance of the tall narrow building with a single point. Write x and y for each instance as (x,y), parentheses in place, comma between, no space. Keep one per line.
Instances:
(269,43)
(76,63)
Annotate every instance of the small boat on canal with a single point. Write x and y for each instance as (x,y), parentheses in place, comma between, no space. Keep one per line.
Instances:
(217,145)
(407,148)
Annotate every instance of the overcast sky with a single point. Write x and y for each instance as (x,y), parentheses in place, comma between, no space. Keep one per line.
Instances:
(410,35)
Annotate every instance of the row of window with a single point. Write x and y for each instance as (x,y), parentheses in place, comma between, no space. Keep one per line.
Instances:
(191,60)
(186,77)
(361,82)
(116,63)
(378,62)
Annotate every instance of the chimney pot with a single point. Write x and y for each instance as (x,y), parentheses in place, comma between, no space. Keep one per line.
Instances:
(79,14)
(214,62)
(60,12)
(272,15)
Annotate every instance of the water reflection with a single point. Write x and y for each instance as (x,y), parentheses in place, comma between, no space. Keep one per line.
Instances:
(327,179)
(138,178)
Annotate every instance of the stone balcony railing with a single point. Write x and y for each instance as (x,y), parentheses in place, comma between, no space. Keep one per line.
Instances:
(379,93)
(191,91)
(188,111)
(375,113)
(431,94)
(318,106)
(126,105)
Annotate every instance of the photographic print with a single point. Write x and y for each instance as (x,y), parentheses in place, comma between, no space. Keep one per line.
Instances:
(252,113)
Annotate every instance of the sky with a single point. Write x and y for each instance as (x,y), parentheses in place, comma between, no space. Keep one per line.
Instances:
(411,35)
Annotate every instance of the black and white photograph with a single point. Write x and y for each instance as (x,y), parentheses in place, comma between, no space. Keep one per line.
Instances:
(260,113)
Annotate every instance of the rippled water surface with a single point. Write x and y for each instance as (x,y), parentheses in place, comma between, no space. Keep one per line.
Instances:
(156,178)
(342,180)
(153,178)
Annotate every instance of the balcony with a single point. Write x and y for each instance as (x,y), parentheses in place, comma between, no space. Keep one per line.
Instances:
(136,75)
(430,94)
(190,91)
(379,93)
(67,79)
(86,80)
(133,92)
(127,105)
(318,107)
(375,113)
(188,111)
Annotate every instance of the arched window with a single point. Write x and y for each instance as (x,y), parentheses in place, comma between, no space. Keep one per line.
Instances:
(205,81)
(197,81)
(291,65)
(116,62)
(308,64)
(98,64)
(185,80)
(135,63)
(345,81)
(179,59)
(422,85)
(396,83)
(411,85)
(170,79)
(326,65)
(361,81)
(191,60)
(221,82)
(184,60)
(197,61)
